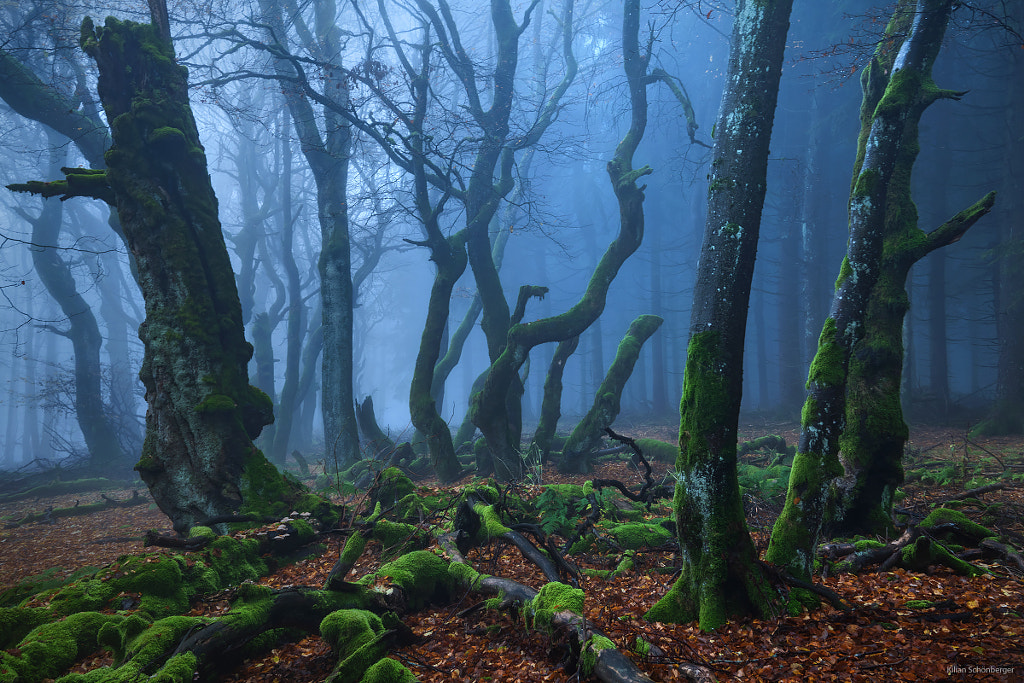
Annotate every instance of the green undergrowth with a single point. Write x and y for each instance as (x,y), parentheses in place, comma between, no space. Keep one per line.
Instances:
(48,623)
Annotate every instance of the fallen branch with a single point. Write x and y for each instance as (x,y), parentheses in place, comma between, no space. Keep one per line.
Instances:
(976,492)
(610,665)
(51,514)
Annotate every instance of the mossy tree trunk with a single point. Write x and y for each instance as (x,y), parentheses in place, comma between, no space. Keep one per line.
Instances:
(874,435)
(448,255)
(490,410)
(853,401)
(551,405)
(587,435)
(198,458)
(720,574)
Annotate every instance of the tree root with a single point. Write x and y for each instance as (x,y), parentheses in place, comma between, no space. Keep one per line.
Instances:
(609,664)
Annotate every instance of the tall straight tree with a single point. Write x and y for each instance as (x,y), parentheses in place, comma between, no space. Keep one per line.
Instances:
(853,406)
(328,154)
(721,575)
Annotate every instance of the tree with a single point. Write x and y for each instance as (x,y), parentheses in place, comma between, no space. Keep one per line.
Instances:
(853,402)
(1006,415)
(720,574)
(198,458)
(24,92)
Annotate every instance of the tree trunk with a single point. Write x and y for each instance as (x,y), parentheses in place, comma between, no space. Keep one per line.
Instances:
(328,157)
(720,575)
(587,435)
(288,405)
(551,406)
(491,406)
(198,459)
(83,332)
(853,407)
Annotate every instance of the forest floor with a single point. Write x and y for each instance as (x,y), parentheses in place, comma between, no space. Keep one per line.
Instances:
(935,626)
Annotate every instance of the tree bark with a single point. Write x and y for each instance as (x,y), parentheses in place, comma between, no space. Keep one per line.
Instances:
(551,405)
(198,458)
(587,435)
(721,575)
(490,408)
(853,406)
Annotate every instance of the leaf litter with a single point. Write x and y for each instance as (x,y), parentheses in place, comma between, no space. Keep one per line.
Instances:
(904,625)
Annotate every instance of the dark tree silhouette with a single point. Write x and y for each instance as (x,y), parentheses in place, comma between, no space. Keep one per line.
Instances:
(198,458)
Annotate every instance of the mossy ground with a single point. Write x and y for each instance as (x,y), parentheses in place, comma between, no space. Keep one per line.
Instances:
(619,587)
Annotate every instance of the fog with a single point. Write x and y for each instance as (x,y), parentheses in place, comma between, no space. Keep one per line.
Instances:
(550,227)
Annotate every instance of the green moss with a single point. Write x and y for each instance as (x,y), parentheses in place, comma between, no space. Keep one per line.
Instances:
(588,655)
(355,635)
(924,552)
(918,604)
(235,560)
(867,544)
(388,670)
(116,637)
(181,668)
(658,451)
(49,649)
(637,535)
(464,575)
(349,629)
(16,622)
(553,597)
(422,576)
(392,485)
(940,516)
(146,646)
(215,403)
(828,369)
(398,538)
(265,492)
(353,550)
(492,526)
(321,509)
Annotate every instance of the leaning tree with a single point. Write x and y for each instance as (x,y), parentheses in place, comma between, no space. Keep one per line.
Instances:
(198,458)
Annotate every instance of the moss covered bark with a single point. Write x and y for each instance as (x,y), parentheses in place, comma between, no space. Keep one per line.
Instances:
(721,576)
(551,405)
(849,459)
(587,435)
(198,458)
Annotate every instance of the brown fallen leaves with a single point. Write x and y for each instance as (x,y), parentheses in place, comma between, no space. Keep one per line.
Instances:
(904,626)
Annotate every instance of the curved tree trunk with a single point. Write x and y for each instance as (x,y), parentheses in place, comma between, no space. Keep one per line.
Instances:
(721,575)
(587,435)
(551,406)
(490,407)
